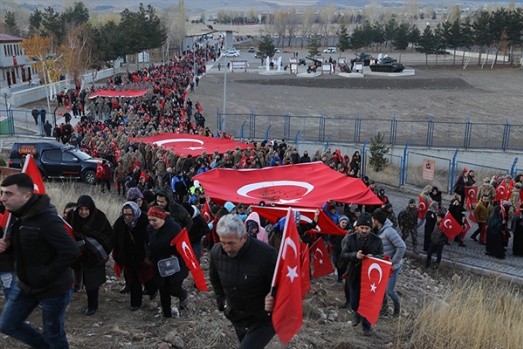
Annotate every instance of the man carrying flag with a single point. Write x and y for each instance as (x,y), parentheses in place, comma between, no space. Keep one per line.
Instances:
(355,247)
(241,269)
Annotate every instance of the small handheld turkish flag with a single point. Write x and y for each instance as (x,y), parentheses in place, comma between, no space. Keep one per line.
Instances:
(472,194)
(32,171)
(321,263)
(287,316)
(500,192)
(184,248)
(450,226)
(466,227)
(423,207)
(305,270)
(374,278)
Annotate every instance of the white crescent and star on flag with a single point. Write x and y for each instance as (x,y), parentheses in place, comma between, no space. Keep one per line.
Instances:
(320,251)
(371,268)
(291,272)
(190,256)
(246,189)
(445,223)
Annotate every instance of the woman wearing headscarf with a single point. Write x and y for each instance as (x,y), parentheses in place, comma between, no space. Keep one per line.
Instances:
(496,224)
(134,194)
(161,231)
(129,251)
(430,223)
(91,227)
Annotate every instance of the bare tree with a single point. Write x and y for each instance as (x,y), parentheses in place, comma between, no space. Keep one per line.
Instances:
(306,24)
(292,24)
(327,15)
(280,25)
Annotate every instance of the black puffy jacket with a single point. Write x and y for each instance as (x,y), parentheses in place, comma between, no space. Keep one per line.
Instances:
(44,251)
(243,280)
(351,244)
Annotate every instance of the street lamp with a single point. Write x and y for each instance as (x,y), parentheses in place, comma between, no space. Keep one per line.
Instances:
(6,93)
(47,92)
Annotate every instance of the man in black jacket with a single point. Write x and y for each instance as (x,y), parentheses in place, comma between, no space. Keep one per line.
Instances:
(241,270)
(355,247)
(44,252)
(165,200)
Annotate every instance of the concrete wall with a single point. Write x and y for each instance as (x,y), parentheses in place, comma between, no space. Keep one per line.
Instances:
(39,92)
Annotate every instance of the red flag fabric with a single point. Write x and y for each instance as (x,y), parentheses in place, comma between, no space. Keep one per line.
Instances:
(472,218)
(206,213)
(32,171)
(305,270)
(471,194)
(300,185)
(194,145)
(450,226)
(500,192)
(325,224)
(68,228)
(99,170)
(423,207)
(4,218)
(321,261)
(466,227)
(469,205)
(374,278)
(287,316)
(184,248)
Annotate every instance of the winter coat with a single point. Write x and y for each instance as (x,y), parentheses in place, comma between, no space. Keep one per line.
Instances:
(43,249)
(438,237)
(482,212)
(393,244)
(408,218)
(95,226)
(351,244)
(243,281)
(177,211)
(158,247)
(129,243)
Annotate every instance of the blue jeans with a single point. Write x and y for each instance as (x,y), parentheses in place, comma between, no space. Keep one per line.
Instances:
(20,306)
(7,281)
(391,291)
(354,304)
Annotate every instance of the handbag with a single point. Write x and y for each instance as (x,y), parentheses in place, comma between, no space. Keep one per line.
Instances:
(96,250)
(168,266)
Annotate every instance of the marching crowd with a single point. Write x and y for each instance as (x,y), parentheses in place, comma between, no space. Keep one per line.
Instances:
(162,201)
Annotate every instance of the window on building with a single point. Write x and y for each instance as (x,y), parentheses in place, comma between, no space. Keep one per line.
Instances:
(5,50)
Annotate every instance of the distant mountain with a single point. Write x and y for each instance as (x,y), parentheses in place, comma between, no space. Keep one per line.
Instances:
(195,7)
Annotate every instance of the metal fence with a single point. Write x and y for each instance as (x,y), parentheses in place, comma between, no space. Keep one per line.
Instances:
(321,128)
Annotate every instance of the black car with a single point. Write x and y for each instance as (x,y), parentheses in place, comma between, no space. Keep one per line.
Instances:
(56,160)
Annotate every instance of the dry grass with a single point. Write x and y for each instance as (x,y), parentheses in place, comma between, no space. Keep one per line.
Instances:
(68,191)
(475,314)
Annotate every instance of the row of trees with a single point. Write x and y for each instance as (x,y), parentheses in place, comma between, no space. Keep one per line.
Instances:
(501,30)
(69,43)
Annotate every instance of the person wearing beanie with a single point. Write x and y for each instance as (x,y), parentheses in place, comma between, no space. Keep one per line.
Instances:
(335,241)
(149,198)
(162,229)
(165,200)
(394,247)
(391,215)
(355,247)
(88,222)
(408,220)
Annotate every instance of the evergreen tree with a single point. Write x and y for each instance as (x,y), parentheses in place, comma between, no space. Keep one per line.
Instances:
(401,37)
(426,43)
(377,153)
(266,48)
(10,23)
(343,39)
(314,45)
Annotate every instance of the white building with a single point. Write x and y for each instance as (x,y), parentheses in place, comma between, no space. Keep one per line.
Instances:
(15,67)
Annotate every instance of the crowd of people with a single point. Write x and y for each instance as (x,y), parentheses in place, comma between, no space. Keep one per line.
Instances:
(162,199)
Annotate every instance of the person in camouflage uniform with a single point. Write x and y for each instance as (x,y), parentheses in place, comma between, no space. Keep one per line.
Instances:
(408,221)
(487,189)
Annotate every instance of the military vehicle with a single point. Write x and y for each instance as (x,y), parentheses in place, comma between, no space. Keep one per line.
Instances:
(365,58)
(314,66)
(387,65)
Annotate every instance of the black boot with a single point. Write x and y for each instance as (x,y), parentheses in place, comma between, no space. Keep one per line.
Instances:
(92,302)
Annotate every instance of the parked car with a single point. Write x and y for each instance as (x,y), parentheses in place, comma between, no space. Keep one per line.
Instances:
(252,49)
(56,160)
(330,50)
(232,53)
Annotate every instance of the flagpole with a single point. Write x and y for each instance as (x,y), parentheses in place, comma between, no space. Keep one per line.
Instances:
(284,236)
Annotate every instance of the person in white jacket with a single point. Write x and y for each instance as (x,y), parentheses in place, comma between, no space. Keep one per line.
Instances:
(254,228)
(394,247)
